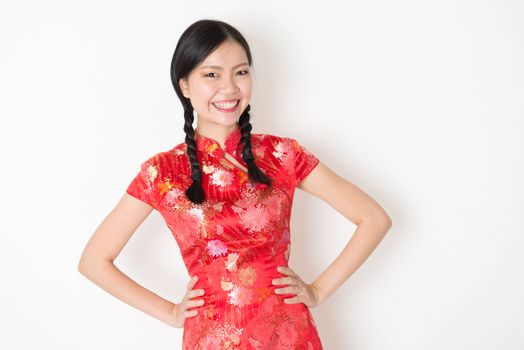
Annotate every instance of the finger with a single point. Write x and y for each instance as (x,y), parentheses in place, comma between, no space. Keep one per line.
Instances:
(190,313)
(194,303)
(293,300)
(194,293)
(285,280)
(286,270)
(192,282)
(191,293)
(288,290)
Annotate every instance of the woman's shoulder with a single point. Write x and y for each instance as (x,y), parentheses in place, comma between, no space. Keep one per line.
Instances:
(166,160)
(270,139)
(275,143)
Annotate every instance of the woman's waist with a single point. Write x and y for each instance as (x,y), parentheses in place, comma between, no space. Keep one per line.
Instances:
(239,311)
(238,284)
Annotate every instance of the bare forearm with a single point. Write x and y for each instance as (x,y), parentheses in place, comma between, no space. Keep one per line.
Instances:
(365,239)
(107,276)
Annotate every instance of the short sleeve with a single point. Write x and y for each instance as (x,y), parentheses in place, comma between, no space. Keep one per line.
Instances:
(143,185)
(304,161)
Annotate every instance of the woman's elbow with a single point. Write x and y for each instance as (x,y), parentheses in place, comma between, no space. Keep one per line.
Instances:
(388,223)
(84,265)
(90,262)
(383,221)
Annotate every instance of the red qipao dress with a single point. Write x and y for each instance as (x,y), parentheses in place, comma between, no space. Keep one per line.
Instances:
(235,240)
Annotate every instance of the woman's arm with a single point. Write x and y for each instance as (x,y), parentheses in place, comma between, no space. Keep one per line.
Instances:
(358,207)
(96,262)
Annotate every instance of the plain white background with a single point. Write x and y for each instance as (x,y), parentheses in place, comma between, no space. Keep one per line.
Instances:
(419,103)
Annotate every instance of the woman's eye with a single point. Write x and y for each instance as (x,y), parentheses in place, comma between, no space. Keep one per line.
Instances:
(209,76)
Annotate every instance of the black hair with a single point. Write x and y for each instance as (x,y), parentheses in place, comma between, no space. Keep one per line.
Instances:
(198,41)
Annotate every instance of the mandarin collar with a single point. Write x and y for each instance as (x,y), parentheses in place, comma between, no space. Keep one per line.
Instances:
(209,145)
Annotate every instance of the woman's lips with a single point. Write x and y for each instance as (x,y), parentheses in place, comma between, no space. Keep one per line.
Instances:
(226,106)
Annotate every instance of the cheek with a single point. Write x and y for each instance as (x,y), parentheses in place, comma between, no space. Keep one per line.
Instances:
(246,86)
(203,94)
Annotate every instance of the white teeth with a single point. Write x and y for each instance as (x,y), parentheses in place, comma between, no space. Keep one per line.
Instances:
(226,105)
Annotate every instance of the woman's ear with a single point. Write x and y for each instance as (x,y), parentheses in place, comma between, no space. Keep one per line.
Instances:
(183,86)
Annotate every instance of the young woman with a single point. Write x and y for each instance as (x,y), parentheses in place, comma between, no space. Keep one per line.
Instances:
(226,195)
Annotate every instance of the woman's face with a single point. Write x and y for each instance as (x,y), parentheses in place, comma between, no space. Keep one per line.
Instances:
(229,79)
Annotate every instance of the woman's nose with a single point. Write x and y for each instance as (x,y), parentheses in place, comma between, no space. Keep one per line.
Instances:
(229,85)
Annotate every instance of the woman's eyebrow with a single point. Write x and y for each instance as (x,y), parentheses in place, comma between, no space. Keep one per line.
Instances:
(220,68)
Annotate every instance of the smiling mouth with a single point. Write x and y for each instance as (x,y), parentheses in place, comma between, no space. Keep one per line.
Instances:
(228,106)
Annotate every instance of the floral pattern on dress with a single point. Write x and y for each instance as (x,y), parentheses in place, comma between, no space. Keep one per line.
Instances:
(216,248)
(235,239)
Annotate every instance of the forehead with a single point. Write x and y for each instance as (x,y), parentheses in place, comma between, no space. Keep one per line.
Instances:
(229,54)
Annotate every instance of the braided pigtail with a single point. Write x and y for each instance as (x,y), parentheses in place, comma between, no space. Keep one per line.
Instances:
(254,171)
(195,193)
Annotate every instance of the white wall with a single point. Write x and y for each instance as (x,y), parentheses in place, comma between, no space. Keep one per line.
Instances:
(419,103)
